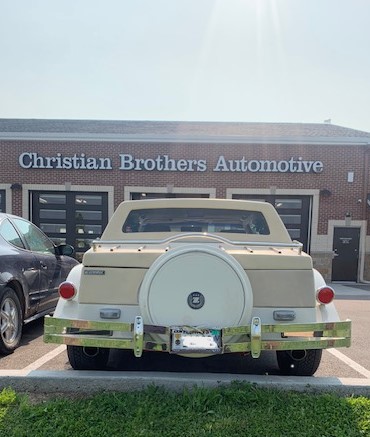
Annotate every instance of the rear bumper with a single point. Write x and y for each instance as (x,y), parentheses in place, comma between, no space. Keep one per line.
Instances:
(252,339)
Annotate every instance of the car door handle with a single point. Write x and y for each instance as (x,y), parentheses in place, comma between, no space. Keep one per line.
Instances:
(43,266)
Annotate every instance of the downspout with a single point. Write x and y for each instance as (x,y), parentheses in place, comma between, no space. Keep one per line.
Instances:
(365,206)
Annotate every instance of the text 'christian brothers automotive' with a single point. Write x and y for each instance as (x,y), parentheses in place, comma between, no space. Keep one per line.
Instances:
(197,277)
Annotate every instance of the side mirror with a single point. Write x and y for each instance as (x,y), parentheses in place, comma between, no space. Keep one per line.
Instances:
(65,249)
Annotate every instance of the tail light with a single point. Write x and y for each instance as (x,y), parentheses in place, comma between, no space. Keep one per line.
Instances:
(325,295)
(67,290)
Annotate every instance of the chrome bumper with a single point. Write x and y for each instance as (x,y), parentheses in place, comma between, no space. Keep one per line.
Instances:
(242,339)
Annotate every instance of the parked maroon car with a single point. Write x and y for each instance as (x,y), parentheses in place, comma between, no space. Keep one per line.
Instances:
(31,269)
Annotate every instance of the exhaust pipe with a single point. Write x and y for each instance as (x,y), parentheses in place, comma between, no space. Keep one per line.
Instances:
(298,355)
(91,352)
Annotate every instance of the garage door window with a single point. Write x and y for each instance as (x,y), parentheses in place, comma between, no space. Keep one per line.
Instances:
(294,211)
(2,200)
(76,218)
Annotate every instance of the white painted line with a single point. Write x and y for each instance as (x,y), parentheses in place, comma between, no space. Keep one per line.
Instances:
(44,359)
(350,363)
(10,372)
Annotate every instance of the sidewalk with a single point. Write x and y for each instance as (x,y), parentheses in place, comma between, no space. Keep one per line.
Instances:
(351,290)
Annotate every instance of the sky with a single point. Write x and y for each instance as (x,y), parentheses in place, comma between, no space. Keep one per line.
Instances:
(302,61)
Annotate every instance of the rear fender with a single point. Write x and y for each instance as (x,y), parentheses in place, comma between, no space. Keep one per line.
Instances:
(68,307)
(318,280)
(74,276)
(324,313)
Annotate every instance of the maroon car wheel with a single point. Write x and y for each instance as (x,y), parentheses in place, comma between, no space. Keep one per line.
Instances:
(10,321)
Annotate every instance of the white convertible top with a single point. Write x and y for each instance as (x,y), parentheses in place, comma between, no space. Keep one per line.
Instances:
(277,231)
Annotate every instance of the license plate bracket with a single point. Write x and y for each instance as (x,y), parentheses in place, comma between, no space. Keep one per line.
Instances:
(186,339)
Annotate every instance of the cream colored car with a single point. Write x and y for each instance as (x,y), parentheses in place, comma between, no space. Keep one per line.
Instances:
(197,277)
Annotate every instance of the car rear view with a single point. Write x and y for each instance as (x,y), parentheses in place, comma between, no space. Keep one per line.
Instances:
(197,277)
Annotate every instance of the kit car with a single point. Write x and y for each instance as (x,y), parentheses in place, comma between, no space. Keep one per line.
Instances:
(197,278)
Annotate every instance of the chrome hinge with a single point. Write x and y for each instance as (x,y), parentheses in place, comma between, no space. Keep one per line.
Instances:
(138,336)
(256,337)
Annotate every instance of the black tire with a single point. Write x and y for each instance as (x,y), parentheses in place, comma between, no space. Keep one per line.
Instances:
(11,321)
(88,358)
(299,366)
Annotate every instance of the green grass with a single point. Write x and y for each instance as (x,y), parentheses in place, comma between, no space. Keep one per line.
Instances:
(236,410)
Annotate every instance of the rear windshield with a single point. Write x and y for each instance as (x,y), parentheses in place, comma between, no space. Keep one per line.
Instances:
(196,220)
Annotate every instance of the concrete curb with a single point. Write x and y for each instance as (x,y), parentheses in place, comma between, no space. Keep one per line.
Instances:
(86,382)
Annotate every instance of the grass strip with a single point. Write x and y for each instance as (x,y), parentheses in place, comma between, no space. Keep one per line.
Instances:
(236,410)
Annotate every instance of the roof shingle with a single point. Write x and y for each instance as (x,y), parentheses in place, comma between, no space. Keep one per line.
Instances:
(178,129)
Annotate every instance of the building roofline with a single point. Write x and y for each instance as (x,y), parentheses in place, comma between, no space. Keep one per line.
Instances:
(156,132)
(194,139)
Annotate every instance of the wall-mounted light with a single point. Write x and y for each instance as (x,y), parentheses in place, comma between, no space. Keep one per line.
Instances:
(16,186)
(325,192)
(347,219)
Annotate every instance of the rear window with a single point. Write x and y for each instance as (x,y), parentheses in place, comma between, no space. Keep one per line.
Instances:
(196,220)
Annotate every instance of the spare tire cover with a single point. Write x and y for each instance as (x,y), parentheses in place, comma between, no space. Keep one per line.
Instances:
(197,286)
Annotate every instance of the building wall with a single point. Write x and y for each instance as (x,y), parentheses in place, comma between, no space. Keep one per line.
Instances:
(337,160)
(334,191)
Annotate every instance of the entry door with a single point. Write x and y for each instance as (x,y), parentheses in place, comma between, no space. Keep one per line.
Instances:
(346,249)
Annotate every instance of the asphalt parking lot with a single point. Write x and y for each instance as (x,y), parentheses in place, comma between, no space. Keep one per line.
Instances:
(40,367)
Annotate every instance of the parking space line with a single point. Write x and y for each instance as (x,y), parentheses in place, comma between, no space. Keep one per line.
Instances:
(44,359)
(355,366)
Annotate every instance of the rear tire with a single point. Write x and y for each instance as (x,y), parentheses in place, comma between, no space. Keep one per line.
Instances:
(88,358)
(11,321)
(305,366)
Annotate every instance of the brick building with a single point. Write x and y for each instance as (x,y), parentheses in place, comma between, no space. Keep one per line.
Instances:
(67,176)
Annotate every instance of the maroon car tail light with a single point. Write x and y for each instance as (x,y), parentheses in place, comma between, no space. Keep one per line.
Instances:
(325,295)
(67,290)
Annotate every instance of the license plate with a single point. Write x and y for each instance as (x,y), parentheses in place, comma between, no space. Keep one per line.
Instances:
(195,340)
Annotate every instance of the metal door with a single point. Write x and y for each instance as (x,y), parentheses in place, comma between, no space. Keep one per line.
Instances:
(346,250)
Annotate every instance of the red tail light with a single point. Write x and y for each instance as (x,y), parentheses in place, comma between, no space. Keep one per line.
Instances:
(325,295)
(67,290)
